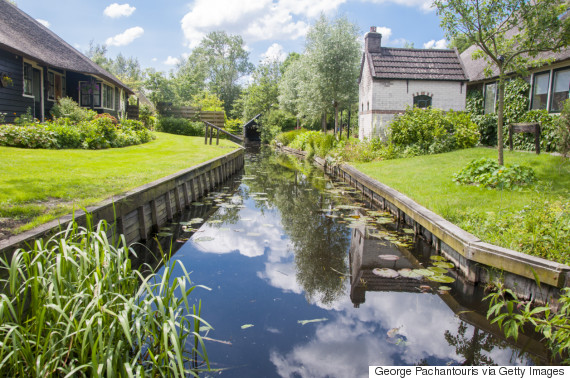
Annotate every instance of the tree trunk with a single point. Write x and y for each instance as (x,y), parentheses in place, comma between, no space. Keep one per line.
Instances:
(336,118)
(348,127)
(340,129)
(500,116)
(324,122)
(297,122)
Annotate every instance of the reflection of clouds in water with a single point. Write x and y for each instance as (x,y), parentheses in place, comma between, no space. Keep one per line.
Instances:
(227,241)
(357,338)
(281,276)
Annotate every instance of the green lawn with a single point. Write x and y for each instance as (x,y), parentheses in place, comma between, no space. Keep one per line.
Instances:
(542,228)
(39,185)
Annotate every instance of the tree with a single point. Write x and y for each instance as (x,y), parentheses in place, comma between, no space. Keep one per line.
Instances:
(289,86)
(226,62)
(189,79)
(331,63)
(509,34)
(262,94)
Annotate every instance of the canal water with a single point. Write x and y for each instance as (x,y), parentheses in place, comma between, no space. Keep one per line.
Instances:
(307,280)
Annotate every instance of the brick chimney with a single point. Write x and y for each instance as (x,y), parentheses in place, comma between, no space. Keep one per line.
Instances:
(373,41)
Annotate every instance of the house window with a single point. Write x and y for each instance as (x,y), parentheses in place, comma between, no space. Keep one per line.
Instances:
(108,99)
(90,90)
(56,86)
(28,74)
(540,91)
(490,97)
(560,88)
(422,101)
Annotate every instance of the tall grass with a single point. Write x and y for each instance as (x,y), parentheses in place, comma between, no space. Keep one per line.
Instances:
(73,306)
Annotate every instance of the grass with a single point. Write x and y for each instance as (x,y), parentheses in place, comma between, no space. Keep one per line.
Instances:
(534,220)
(74,307)
(39,185)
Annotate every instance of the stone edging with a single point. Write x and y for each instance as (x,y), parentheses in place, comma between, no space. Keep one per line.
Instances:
(472,256)
(143,210)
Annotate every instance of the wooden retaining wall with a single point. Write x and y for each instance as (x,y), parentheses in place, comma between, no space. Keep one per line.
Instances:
(142,211)
(477,261)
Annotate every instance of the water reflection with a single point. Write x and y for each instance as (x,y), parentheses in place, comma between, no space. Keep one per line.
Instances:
(286,246)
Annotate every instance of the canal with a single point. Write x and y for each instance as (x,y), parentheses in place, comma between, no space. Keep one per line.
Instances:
(307,280)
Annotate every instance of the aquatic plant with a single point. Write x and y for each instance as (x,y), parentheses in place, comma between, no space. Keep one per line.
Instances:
(73,305)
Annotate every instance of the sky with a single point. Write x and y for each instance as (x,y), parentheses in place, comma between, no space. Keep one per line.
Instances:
(161,33)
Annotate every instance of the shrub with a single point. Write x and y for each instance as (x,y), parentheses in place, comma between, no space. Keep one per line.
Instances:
(563,130)
(180,126)
(488,173)
(487,126)
(31,136)
(146,116)
(110,117)
(234,126)
(287,137)
(67,108)
(429,131)
(74,306)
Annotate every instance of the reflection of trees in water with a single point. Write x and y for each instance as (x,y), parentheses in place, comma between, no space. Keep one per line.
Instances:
(319,242)
(471,347)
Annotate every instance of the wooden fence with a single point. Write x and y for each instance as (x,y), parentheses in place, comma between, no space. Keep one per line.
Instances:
(216,118)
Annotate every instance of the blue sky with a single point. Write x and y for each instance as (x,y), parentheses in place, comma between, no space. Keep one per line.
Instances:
(159,33)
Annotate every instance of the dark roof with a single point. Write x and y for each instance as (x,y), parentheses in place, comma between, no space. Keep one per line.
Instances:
(23,35)
(416,64)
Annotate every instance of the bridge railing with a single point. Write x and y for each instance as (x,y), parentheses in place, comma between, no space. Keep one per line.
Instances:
(210,129)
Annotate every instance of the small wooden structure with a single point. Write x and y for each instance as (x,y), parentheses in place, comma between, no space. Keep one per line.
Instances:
(251,130)
(532,128)
(210,129)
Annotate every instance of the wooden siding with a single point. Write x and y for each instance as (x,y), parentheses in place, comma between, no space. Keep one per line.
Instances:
(11,98)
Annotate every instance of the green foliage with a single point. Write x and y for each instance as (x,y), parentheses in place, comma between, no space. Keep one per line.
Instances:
(234,126)
(63,133)
(67,108)
(207,101)
(474,102)
(26,118)
(75,306)
(541,228)
(548,132)
(27,137)
(489,174)
(287,137)
(563,130)
(430,131)
(261,95)
(146,116)
(487,125)
(180,126)
(278,119)
(512,314)
(364,151)
(516,100)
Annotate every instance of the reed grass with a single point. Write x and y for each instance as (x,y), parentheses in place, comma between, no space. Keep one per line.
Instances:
(73,306)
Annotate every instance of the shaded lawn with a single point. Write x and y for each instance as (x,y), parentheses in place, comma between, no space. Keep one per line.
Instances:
(428,181)
(39,185)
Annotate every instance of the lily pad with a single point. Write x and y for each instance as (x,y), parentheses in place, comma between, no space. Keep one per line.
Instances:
(303,322)
(246,326)
(444,288)
(441,278)
(437,258)
(196,220)
(389,257)
(385,272)
(408,231)
(408,273)
(215,221)
(438,270)
(204,239)
(197,204)
(164,234)
(424,272)
(446,265)
(253,234)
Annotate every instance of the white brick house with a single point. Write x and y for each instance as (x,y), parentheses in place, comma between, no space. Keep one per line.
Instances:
(392,79)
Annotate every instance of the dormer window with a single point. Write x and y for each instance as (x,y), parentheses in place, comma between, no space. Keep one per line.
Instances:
(422,101)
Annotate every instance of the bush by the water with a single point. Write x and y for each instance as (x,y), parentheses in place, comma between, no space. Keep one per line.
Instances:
(431,131)
(180,126)
(489,174)
(62,133)
(74,306)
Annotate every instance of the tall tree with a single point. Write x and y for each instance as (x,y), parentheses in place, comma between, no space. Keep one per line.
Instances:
(509,35)
(226,61)
(332,57)
(262,93)
(289,85)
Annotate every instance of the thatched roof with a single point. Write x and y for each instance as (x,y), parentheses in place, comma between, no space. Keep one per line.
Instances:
(416,64)
(23,35)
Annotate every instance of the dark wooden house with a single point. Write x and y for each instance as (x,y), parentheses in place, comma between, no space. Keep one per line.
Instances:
(37,67)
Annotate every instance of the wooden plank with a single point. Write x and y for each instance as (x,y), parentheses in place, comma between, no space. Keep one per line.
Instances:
(154,215)
(177,200)
(186,194)
(142,223)
(168,205)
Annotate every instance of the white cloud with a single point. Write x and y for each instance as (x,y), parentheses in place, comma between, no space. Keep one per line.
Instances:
(433,44)
(115,10)
(43,22)
(171,61)
(125,37)
(274,53)
(424,5)
(255,20)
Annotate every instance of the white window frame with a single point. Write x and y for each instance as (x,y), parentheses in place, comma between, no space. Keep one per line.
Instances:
(63,85)
(31,94)
(103,87)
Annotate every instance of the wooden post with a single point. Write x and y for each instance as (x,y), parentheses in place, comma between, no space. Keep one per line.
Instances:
(206,134)
(211,134)
(218,137)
